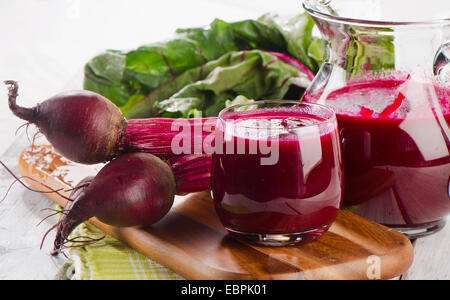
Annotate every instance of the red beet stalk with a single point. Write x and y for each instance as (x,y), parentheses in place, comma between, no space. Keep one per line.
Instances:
(192,172)
(167,136)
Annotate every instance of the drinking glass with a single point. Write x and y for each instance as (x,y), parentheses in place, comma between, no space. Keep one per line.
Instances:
(277,175)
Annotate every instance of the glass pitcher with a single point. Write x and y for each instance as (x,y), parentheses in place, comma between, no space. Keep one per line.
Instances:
(387,76)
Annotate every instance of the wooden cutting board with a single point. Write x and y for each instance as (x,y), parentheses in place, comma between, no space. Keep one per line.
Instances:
(191,241)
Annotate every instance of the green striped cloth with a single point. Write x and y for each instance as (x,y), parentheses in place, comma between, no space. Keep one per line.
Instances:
(110,259)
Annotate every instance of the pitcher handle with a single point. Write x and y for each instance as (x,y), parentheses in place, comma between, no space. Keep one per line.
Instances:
(441,65)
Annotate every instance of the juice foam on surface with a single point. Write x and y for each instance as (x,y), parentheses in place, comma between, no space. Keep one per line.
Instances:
(277,123)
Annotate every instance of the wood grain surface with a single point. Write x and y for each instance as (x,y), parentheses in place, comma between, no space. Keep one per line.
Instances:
(191,241)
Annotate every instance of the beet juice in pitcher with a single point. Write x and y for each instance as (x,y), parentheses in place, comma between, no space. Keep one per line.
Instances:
(386,76)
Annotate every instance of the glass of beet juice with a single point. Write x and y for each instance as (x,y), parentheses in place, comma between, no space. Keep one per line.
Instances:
(277,176)
(387,76)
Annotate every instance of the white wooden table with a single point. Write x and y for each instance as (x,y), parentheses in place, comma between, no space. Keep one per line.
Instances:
(45,43)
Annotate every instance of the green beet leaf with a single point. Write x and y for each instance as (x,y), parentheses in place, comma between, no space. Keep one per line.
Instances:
(104,75)
(254,74)
(297,31)
(137,80)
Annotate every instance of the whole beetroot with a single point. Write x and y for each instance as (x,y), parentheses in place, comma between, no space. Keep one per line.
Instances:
(87,128)
(136,189)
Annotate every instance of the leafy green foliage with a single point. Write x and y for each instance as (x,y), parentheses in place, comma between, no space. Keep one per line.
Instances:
(297,32)
(254,74)
(178,77)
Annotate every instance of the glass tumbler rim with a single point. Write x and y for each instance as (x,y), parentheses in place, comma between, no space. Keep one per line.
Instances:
(330,119)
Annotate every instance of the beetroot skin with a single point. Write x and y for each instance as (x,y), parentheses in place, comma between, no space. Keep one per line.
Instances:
(136,189)
(83,126)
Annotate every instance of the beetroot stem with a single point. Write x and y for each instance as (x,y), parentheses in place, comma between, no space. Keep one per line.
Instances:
(192,172)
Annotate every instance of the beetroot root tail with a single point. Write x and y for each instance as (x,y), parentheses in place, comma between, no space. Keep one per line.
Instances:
(27,114)
(19,179)
(76,243)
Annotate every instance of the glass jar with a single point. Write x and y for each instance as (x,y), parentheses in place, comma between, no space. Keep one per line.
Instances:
(387,77)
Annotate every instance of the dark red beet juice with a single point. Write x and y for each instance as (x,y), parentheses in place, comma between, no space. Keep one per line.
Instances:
(278,179)
(395,139)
